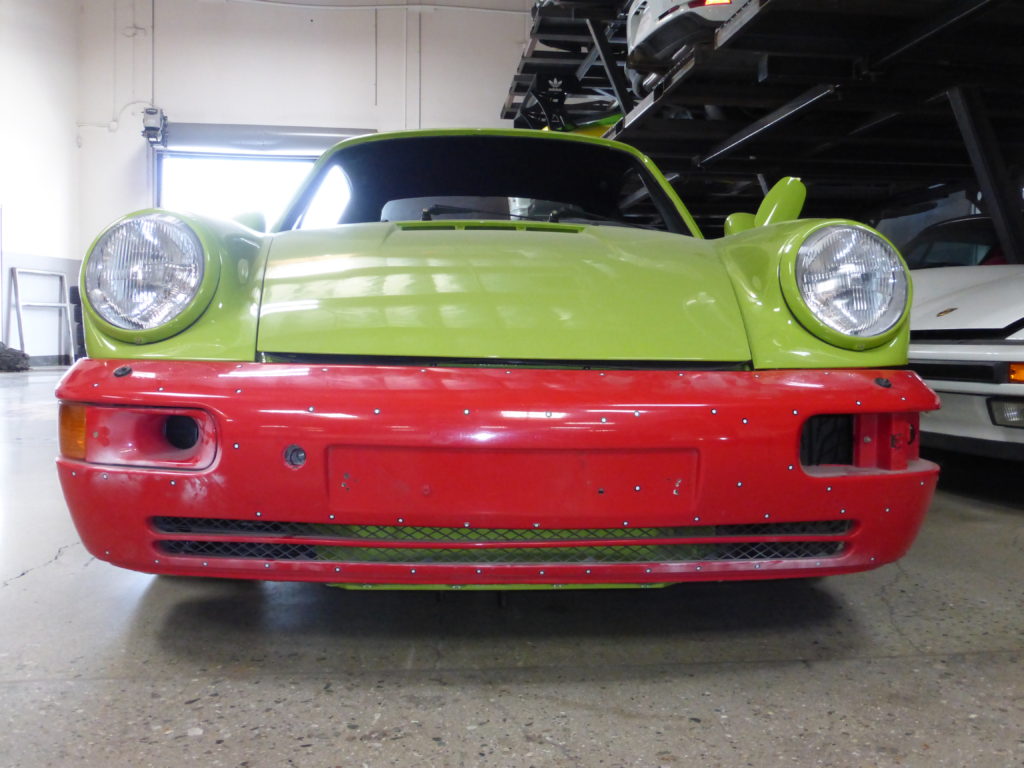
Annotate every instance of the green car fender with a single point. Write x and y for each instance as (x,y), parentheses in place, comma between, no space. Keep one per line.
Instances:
(220,323)
(781,331)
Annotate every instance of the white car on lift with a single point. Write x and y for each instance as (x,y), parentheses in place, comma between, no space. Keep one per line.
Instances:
(657,31)
(967,337)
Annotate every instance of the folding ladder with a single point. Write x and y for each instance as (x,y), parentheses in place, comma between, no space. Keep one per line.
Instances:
(63,307)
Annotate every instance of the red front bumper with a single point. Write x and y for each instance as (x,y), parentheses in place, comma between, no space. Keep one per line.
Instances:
(477,476)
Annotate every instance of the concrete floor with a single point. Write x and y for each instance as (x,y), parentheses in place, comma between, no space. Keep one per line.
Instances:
(916,664)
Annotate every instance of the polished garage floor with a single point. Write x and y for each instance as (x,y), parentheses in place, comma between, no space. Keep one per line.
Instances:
(916,664)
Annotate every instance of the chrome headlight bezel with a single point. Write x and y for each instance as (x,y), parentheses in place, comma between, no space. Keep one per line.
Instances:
(825,319)
(138,242)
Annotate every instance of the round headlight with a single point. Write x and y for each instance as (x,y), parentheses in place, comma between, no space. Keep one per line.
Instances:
(852,281)
(144,272)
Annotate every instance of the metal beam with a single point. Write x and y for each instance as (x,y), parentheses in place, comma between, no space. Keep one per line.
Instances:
(587,63)
(874,121)
(783,113)
(956,13)
(1001,195)
(611,67)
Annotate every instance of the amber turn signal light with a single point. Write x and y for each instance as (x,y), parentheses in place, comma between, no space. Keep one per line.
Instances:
(72,431)
(1017,372)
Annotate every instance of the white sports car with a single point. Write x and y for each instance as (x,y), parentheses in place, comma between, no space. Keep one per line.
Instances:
(656,30)
(967,337)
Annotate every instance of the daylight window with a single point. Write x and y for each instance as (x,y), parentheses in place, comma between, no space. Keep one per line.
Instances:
(227,186)
(224,171)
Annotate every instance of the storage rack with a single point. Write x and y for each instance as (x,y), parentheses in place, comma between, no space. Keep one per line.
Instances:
(882,107)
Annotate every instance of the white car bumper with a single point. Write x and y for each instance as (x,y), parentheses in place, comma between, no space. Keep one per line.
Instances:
(965,422)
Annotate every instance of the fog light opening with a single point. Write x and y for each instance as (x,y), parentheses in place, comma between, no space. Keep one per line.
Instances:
(1007,413)
(181,431)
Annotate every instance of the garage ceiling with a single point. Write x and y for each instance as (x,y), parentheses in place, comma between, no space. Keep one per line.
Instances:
(879,105)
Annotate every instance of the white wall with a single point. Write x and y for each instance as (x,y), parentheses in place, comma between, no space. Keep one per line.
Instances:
(115,84)
(38,164)
(38,52)
(263,63)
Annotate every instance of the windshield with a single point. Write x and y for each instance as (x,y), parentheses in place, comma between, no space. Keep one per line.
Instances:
(484,177)
(965,243)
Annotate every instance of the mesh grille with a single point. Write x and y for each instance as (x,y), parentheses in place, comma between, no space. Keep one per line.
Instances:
(599,554)
(184,525)
(251,549)
(377,543)
(770,550)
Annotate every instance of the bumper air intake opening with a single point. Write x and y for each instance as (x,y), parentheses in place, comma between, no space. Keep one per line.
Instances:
(827,439)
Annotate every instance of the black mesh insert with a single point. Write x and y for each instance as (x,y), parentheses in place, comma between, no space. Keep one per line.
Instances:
(248,549)
(602,554)
(264,528)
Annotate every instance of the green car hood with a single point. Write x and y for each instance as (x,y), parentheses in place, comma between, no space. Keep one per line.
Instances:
(500,290)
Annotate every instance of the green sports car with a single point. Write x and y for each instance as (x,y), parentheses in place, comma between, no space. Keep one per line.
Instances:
(494,359)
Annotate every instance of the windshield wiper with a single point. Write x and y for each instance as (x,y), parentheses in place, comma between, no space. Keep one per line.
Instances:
(566,213)
(429,211)
(574,214)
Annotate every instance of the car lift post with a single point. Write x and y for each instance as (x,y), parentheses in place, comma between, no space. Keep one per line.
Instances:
(1002,197)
